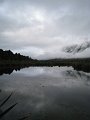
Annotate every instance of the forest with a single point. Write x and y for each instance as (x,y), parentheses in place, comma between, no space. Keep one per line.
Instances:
(17,61)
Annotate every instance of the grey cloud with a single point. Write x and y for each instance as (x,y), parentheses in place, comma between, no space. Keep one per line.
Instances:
(43,25)
(77,25)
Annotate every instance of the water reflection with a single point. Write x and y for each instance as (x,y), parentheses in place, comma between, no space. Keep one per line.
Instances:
(6,71)
(59,74)
(9,70)
(31,71)
(78,75)
(55,93)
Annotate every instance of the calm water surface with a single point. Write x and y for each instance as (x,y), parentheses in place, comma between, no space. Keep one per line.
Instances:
(47,93)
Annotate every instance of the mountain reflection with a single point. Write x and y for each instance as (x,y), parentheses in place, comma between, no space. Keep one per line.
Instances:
(78,75)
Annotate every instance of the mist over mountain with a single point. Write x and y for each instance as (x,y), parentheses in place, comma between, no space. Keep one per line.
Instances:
(78,50)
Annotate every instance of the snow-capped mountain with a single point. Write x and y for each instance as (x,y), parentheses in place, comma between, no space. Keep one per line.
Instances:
(77,48)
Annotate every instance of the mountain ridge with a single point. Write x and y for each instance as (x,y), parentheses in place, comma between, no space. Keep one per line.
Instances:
(77,48)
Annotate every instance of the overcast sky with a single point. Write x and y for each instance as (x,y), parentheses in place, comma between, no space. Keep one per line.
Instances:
(41,28)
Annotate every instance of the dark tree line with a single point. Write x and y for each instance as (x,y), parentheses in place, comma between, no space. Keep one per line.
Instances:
(16,61)
(9,55)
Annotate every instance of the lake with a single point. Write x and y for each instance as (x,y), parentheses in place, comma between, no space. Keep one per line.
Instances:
(46,93)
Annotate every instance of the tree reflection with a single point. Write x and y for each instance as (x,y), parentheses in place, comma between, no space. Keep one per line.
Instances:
(9,70)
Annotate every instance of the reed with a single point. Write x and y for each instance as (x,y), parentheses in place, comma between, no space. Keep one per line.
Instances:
(7,110)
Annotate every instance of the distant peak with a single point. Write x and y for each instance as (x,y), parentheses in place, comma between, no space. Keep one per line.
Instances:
(77,47)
